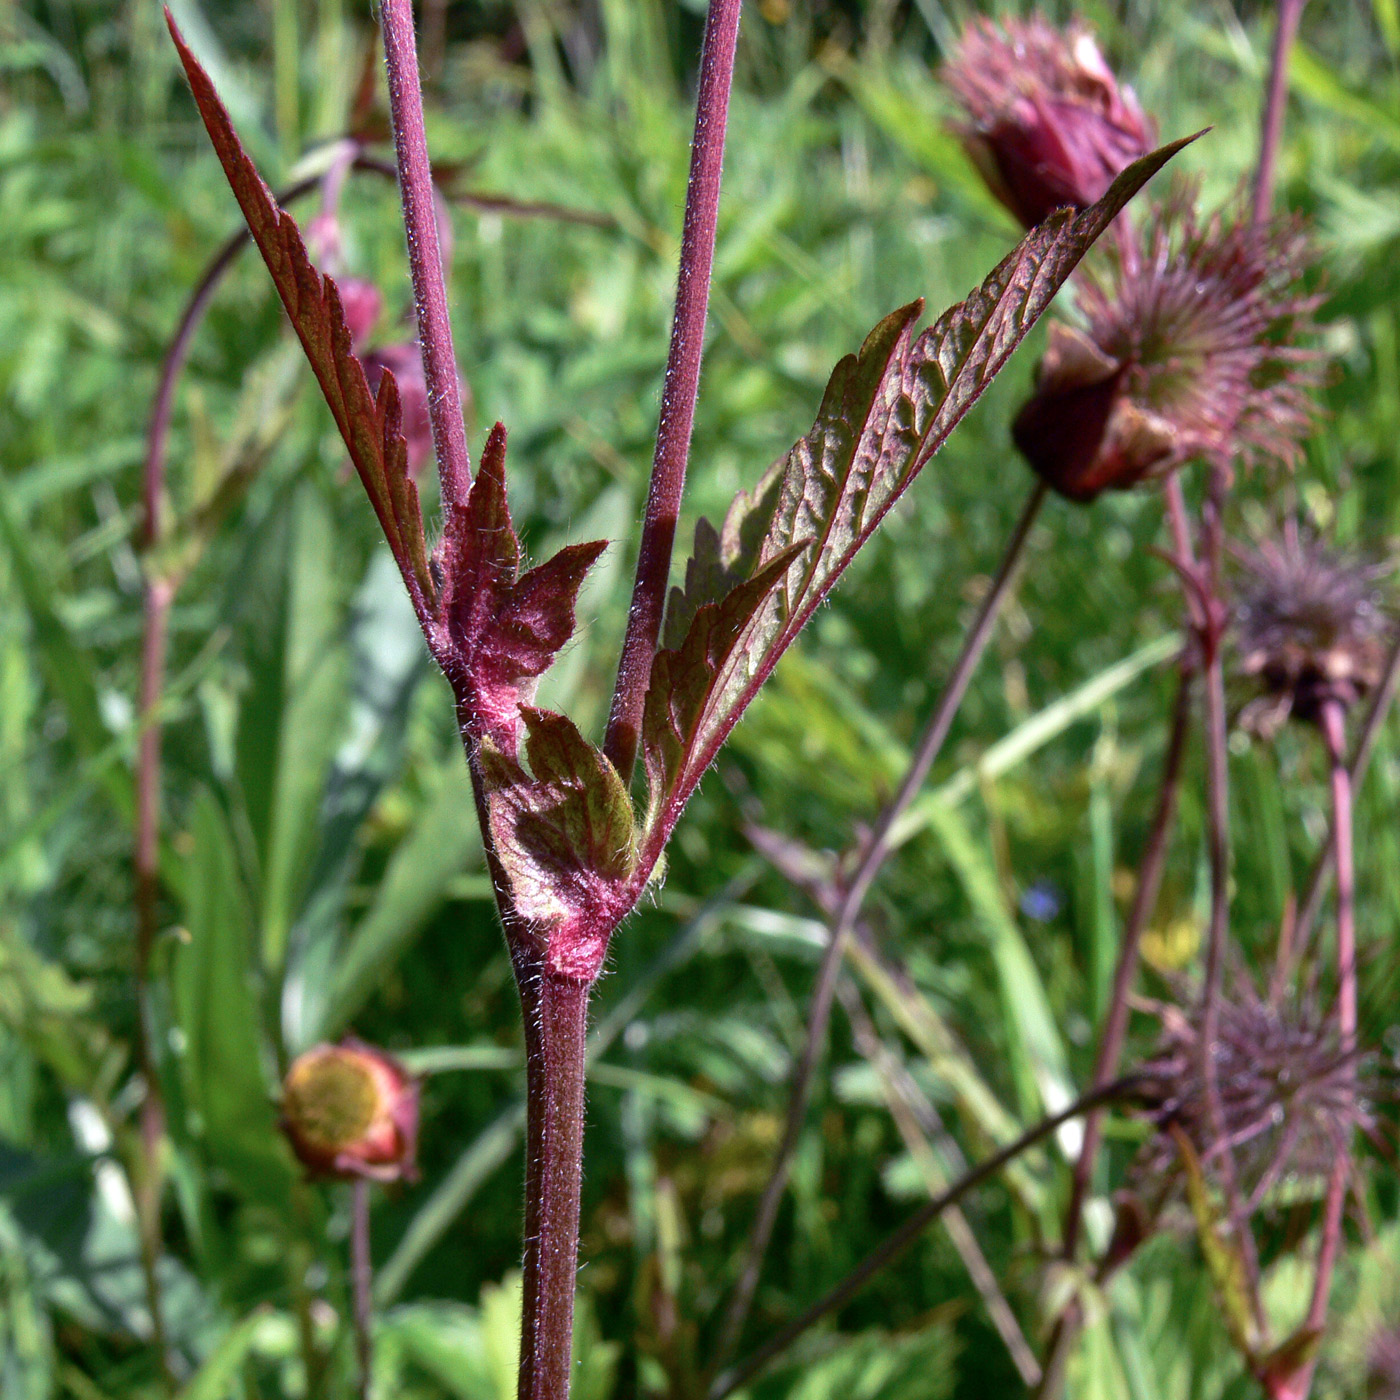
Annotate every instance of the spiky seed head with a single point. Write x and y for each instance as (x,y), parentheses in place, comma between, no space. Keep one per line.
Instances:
(1045,120)
(1191,346)
(1311,626)
(1290,1097)
(351,1110)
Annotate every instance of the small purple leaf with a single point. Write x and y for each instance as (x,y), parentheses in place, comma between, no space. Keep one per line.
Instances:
(886,411)
(369,423)
(498,631)
(565,836)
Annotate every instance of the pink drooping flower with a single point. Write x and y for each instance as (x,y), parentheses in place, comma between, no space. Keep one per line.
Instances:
(1047,123)
(351,1110)
(1189,347)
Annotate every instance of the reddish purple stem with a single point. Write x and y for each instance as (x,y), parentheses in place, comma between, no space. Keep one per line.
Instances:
(1271,126)
(424,252)
(681,385)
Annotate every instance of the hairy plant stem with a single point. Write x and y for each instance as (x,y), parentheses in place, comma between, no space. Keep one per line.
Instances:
(896,1243)
(362,1284)
(424,252)
(877,850)
(1275,100)
(680,387)
(556,1024)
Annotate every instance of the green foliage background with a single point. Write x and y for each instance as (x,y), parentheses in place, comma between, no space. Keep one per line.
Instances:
(321,866)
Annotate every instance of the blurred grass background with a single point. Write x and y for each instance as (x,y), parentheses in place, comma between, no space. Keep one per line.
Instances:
(321,866)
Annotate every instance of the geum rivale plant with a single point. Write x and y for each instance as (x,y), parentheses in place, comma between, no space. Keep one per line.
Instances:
(568,852)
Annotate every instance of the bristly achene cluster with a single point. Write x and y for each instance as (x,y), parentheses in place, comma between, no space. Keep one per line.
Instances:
(1311,627)
(1189,348)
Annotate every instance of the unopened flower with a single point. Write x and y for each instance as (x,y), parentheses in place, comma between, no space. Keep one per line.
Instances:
(1289,1098)
(1383,1365)
(1310,628)
(1189,349)
(362,304)
(351,1110)
(404,360)
(1047,123)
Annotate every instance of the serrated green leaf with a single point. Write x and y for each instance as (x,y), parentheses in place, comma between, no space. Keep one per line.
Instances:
(886,411)
(368,423)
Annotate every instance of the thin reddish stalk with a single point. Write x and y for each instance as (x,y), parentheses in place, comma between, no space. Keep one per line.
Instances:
(1333,722)
(1275,100)
(1149,883)
(896,1243)
(680,387)
(876,852)
(424,252)
(917,1120)
(1371,727)
(1218,847)
(362,1285)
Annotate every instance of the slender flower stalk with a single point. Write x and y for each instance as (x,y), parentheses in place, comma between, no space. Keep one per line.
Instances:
(1275,100)
(1376,715)
(1333,724)
(1149,883)
(876,851)
(1218,852)
(904,1235)
(680,386)
(362,1285)
(424,252)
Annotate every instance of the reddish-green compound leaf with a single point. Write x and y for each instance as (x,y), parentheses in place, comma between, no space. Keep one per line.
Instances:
(497,631)
(370,425)
(886,411)
(565,835)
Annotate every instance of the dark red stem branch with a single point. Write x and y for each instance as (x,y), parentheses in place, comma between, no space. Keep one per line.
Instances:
(1275,100)
(681,385)
(876,852)
(895,1244)
(556,1020)
(424,253)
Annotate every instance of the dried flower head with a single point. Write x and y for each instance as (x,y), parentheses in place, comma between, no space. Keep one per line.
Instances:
(1047,123)
(1190,348)
(1310,627)
(351,1110)
(1290,1098)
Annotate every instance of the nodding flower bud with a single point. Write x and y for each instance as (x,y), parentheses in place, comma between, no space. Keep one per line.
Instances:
(404,360)
(1081,431)
(362,304)
(1188,349)
(350,1110)
(1311,628)
(1046,122)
